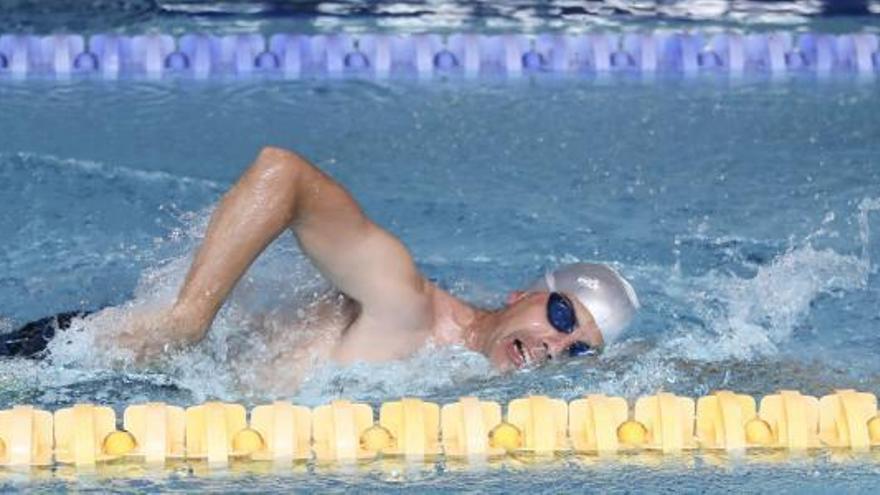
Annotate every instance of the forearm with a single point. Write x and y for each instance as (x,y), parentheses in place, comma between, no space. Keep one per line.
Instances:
(253,213)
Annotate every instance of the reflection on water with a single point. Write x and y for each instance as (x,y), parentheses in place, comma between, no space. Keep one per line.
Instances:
(696,472)
(429,15)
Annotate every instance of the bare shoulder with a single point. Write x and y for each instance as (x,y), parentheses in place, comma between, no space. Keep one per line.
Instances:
(360,258)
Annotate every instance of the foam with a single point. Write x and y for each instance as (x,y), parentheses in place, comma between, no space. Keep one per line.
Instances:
(103,170)
(748,317)
(743,316)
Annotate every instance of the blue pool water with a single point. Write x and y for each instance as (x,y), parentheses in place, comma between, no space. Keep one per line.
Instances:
(745,211)
(742,210)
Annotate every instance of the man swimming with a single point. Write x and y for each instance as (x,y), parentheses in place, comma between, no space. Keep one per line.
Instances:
(387,310)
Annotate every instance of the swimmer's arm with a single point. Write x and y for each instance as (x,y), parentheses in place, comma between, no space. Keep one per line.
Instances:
(282,190)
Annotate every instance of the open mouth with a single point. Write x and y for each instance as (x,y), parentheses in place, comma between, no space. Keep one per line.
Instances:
(518,355)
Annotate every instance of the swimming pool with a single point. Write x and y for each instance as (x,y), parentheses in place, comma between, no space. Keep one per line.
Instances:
(740,207)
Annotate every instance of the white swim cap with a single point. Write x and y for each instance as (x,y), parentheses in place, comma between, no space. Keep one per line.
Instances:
(609,297)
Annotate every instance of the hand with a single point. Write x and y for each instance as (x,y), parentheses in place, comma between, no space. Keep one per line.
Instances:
(147,334)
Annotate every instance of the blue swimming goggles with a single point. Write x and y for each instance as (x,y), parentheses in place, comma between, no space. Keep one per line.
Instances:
(562,316)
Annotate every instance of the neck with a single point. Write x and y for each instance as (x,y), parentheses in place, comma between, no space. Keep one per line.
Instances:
(459,323)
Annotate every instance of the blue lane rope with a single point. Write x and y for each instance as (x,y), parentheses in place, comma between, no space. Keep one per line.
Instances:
(380,55)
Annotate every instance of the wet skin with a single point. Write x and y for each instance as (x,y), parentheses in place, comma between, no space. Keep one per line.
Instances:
(395,310)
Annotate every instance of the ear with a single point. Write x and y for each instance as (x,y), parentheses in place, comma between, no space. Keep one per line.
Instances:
(515,296)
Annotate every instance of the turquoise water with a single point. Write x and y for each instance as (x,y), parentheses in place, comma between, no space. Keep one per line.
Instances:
(744,211)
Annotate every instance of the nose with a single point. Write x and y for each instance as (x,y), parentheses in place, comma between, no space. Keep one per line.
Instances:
(557,347)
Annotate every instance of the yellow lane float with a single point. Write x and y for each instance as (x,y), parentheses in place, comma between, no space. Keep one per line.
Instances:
(874,430)
(632,434)
(416,426)
(211,429)
(247,441)
(543,422)
(722,419)
(793,419)
(506,437)
(377,438)
(27,437)
(844,417)
(669,420)
(759,433)
(80,434)
(471,429)
(285,431)
(594,422)
(337,431)
(158,430)
(118,443)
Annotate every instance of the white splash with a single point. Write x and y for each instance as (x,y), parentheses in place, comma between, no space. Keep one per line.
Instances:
(731,317)
(761,312)
(431,369)
(740,317)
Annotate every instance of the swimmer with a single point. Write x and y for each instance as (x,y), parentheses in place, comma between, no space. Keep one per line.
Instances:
(389,309)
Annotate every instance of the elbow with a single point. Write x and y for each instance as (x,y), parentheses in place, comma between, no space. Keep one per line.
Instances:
(278,166)
(275,153)
(280,163)
(276,174)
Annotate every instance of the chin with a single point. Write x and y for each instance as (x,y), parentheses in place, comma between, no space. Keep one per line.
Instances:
(499,361)
(504,367)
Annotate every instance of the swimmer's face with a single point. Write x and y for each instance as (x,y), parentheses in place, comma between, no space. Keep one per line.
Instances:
(524,337)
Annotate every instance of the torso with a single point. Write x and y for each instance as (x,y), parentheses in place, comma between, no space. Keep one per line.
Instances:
(334,329)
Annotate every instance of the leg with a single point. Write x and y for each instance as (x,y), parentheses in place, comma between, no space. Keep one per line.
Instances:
(32,339)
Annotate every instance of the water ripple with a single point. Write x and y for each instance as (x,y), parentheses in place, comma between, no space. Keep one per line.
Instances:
(427,15)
